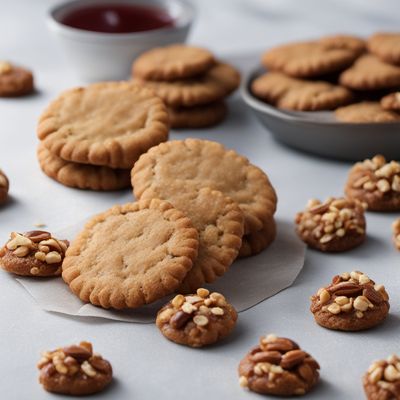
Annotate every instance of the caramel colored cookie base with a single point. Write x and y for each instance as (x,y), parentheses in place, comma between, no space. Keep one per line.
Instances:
(131,255)
(23,265)
(386,46)
(197,117)
(82,176)
(365,112)
(17,82)
(172,62)
(391,102)
(349,321)
(254,243)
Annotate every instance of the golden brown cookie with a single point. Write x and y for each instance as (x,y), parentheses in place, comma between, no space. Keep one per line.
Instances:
(107,123)
(335,225)
(375,182)
(33,253)
(289,93)
(197,320)
(131,255)
(177,61)
(391,102)
(278,367)
(365,112)
(255,242)
(396,233)
(4,187)
(382,379)
(82,176)
(370,73)
(219,222)
(198,116)
(386,46)
(74,370)
(191,164)
(309,59)
(218,82)
(347,42)
(352,302)
(14,81)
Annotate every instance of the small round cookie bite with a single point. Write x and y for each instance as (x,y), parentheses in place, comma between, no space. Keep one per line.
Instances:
(74,370)
(277,366)
(375,182)
(4,187)
(352,302)
(336,225)
(177,61)
(14,81)
(197,320)
(33,253)
(382,379)
(396,233)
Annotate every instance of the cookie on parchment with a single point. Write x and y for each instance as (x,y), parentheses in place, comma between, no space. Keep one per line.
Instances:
(107,123)
(194,117)
(386,46)
(131,255)
(255,242)
(309,59)
(375,182)
(14,81)
(191,164)
(82,176)
(391,102)
(290,93)
(4,187)
(173,62)
(365,112)
(370,73)
(218,82)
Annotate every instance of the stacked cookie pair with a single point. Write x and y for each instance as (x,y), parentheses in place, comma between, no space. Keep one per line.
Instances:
(331,72)
(91,136)
(190,81)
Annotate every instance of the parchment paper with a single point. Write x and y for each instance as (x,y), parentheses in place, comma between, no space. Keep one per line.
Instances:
(248,282)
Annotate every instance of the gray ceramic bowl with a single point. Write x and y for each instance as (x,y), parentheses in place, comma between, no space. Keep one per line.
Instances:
(319,133)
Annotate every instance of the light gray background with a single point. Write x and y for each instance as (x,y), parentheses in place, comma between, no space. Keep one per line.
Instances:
(147,366)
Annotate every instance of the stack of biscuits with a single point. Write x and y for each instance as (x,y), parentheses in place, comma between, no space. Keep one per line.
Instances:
(360,79)
(191,82)
(91,136)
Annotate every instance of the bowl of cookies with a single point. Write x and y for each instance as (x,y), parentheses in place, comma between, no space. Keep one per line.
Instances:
(336,96)
(101,38)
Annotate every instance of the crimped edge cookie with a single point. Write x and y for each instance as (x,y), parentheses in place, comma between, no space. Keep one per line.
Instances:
(107,296)
(385,45)
(82,176)
(365,112)
(177,61)
(119,152)
(143,172)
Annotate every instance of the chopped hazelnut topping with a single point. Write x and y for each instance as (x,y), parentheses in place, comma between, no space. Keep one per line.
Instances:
(5,67)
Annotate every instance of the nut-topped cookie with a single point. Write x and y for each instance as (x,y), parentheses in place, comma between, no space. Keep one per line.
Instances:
(74,370)
(14,81)
(375,182)
(177,61)
(197,320)
(335,225)
(131,255)
(396,233)
(278,367)
(382,379)
(352,302)
(33,253)
(4,187)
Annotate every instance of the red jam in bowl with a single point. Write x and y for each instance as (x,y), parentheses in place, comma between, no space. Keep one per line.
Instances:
(117,18)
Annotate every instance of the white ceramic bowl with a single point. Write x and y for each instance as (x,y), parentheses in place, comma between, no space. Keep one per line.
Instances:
(100,56)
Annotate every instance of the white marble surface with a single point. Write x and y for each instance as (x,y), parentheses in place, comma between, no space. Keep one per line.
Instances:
(147,366)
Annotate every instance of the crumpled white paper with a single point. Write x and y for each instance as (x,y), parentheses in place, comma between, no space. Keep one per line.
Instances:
(248,282)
